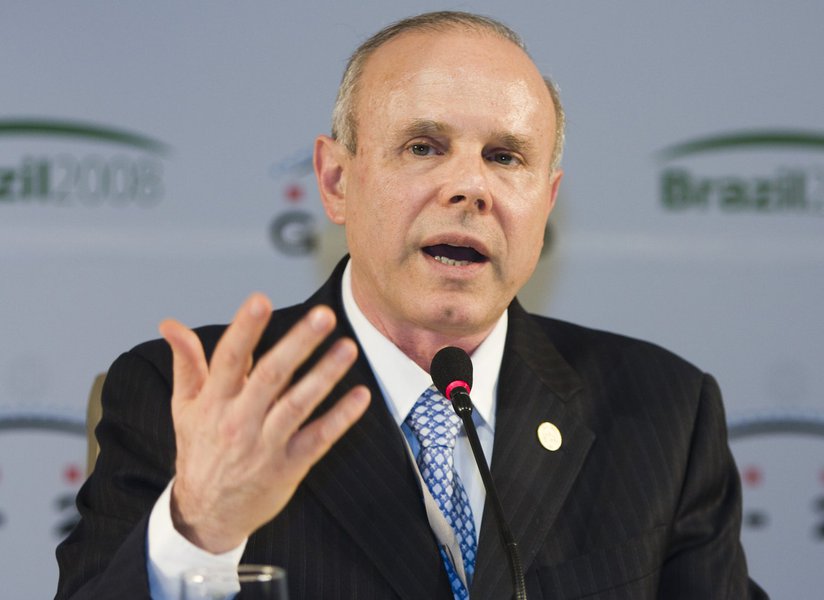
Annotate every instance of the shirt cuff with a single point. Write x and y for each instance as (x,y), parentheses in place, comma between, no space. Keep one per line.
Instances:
(169,554)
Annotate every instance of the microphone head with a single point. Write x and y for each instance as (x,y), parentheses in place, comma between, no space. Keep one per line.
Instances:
(451,365)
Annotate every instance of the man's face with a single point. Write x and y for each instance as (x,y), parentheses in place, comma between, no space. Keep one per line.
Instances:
(446,199)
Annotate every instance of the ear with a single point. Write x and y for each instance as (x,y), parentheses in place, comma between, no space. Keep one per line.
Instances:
(554,184)
(330,160)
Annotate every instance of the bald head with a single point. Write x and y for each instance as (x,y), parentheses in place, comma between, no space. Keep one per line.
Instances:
(345,117)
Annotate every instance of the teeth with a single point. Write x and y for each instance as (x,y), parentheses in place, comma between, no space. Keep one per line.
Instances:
(452,263)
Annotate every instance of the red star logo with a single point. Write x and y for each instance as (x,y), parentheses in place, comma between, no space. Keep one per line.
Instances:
(294,192)
(71,474)
(753,476)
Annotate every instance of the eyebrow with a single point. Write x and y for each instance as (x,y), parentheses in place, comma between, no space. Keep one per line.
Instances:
(516,143)
(424,128)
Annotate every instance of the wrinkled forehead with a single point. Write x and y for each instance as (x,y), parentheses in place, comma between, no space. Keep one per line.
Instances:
(472,69)
(457,48)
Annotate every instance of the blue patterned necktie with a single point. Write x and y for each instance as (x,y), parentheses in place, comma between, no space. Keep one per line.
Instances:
(436,425)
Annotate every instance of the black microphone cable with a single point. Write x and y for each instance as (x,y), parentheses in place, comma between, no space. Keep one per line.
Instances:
(451,371)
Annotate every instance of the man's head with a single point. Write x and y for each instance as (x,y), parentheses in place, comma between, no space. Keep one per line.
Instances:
(447,185)
(344,119)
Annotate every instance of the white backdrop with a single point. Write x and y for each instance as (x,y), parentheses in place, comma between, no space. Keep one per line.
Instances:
(153,162)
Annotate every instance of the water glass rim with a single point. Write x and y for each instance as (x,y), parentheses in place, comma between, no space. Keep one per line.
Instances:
(249,573)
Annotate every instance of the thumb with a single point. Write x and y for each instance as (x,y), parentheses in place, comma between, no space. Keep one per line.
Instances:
(189,366)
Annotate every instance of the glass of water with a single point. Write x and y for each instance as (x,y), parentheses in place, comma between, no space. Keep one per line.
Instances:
(249,582)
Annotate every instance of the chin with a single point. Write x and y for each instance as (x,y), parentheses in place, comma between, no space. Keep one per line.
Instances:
(458,319)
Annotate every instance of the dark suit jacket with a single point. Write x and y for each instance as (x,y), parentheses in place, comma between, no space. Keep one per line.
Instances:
(642,500)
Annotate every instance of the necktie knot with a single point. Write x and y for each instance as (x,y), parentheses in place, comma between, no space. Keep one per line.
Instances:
(434,421)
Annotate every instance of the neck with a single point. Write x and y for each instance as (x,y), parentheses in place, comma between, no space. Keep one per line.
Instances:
(420,344)
(421,341)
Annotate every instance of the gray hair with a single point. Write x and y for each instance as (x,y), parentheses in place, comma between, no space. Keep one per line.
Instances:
(344,120)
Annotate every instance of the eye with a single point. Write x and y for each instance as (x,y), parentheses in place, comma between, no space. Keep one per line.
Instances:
(503,158)
(420,149)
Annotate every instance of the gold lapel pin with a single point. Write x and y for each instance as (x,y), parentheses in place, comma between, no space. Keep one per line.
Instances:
(549,436)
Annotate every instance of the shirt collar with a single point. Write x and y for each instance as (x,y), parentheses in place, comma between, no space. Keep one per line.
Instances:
(402,381)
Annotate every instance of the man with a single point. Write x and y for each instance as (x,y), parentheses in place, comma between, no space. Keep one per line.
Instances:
(443,169)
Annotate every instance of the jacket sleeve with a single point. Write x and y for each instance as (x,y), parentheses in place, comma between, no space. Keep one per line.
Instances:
(705,557)
(105,555)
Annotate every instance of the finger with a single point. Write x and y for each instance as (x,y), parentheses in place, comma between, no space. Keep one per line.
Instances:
(233,353)
(309,444)
(189,368)
(275,369)
(298,402)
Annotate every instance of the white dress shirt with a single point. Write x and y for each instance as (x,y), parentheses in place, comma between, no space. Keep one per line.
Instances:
(401,382)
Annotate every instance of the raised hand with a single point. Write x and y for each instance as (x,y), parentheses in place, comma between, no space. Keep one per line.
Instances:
(242,446)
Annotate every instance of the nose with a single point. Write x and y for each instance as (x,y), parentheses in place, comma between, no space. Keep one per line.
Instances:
(467,183)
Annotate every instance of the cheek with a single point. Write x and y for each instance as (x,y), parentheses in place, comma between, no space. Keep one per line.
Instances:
(391,203)
(525,228)
(375,216)
(527,222)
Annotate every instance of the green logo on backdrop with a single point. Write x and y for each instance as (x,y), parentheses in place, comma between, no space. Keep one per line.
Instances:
(783,189)
(132,175)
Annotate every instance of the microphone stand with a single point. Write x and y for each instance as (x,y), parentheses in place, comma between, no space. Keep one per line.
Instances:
(463,407)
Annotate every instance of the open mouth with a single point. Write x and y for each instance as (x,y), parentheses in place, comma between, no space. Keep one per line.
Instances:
(455,256)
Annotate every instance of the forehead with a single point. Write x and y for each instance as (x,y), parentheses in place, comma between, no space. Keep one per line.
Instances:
(456,75)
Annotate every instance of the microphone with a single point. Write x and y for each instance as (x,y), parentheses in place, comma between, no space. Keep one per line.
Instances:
(451,371)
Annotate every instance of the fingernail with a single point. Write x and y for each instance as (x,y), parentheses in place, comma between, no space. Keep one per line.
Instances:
(257,308)
(320,319)
(344,352)
(361,396)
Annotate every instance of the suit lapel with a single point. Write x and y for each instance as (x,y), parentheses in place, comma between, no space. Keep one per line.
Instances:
(367,483)
(535,385)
